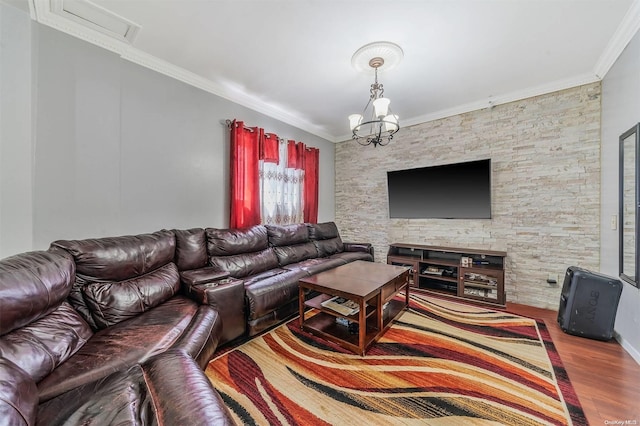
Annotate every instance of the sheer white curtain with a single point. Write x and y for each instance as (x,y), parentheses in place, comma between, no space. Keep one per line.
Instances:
(281,184)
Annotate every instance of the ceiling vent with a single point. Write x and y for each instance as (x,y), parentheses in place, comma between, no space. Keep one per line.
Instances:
(96,18)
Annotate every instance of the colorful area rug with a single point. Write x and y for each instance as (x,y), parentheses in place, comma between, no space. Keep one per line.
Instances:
(441,363)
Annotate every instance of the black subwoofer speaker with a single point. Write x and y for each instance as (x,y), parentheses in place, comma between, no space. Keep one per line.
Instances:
(588,303)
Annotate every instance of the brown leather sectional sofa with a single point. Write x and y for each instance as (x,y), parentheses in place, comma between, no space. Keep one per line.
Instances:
(117,330)
(266,262)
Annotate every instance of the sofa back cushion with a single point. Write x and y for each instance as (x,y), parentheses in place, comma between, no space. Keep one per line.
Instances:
(322,231)
(291,243)
(296,253)
(227,242)
(112,302)
(326,238)
(121,261)
(191,249)
(243,265)
(39,330)
(287,235)
(241,252)
(120,258)
(32,285)
(41,346)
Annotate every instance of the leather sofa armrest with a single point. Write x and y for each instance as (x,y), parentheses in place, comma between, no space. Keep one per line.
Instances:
(18,395)
(226,296)
(204,275)
(182,393)
(214,292)
(167,389)
(363,247)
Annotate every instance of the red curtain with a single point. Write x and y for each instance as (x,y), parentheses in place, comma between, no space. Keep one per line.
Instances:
(269,148)
(311,167)
(248,147)
(295,158)
(245,189)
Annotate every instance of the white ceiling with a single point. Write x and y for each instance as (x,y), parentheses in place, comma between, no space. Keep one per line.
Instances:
(291,59)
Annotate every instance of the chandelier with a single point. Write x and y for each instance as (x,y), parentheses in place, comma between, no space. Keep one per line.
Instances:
(377,124)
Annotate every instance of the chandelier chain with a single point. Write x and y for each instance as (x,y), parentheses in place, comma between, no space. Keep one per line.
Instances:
(376,87)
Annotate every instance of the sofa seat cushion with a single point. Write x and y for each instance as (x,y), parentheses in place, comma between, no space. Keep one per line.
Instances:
(351,256)
(40,347)
(315,266)
(269,293)
(252,279)
(125,344)
(168,389)
(365,247)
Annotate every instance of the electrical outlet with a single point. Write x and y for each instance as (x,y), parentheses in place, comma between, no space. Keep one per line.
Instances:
(614,222)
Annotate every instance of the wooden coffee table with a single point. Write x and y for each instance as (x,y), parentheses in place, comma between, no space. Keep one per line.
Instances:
(371,285)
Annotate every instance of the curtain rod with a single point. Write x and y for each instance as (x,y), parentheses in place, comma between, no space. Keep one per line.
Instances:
(268,135)
(230,122)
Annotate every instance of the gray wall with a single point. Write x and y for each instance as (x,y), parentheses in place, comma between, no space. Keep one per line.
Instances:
(620,112)
(112,148)
(16,151)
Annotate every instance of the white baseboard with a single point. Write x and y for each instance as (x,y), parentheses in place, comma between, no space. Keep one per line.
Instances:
(635,354)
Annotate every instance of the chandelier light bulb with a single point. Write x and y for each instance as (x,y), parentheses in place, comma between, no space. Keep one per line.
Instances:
(390,122)
(354,120)
(381,107)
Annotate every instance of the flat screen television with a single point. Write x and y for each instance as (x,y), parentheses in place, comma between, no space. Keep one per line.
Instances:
(450,191)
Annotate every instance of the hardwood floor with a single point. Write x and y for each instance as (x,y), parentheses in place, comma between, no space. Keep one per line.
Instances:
(605,377)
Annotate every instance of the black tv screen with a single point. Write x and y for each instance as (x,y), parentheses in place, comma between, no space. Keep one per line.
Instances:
(451,191)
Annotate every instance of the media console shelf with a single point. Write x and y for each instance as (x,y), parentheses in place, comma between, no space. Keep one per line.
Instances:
(470,274)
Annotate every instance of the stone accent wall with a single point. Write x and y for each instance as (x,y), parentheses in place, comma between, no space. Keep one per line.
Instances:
(545,158)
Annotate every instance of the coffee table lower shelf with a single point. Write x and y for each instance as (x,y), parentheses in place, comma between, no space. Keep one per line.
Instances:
(323,324)
(370,286)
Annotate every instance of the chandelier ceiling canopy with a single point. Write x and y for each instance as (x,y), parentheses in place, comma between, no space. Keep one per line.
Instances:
(377,124)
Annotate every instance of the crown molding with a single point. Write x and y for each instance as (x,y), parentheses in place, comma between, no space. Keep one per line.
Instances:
(163,67)
(496,100)
(42,12)
(517,95)
(626,31)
